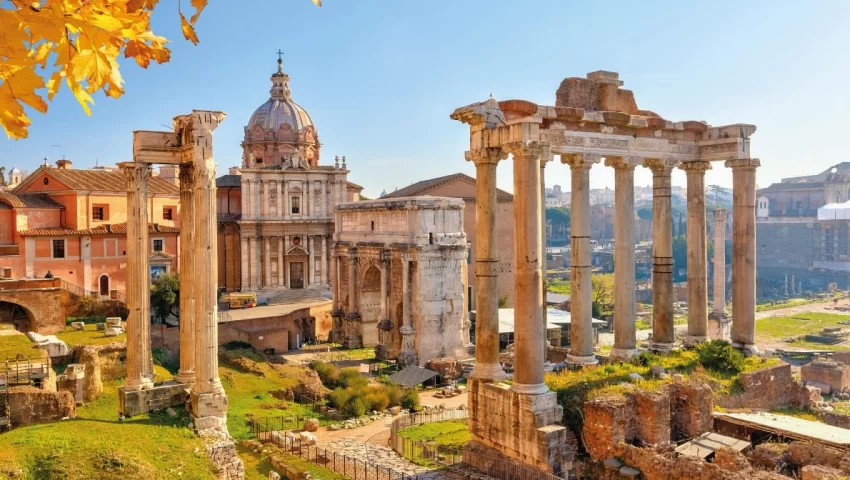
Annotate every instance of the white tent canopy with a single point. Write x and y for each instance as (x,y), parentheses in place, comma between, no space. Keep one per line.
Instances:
(834,211)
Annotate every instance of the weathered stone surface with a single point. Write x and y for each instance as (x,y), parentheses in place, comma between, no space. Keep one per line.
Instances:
(629,472)
(691,407)
(828,376)
(228,465)
(311,424)
(612,464)
(159,397)
(112,332)
(803,454)
(768,455)
(28,405)
(820,472)
(652,417)
(78,325)
(103,363)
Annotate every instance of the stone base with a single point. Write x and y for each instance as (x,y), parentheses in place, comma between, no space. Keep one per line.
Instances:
(582,360)
(383,352)
(227,463)
(407,357)
(623,353)
(488,372)
(336,336)
(693,340)
(209,412)
(530,388)
(160,397)
(659,347)
(352,341)
(447,368)
(506,424)
(186,378)
(749,350)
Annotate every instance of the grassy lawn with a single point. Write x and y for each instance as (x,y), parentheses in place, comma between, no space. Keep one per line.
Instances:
(12,345)
(90,336)
(791,302)
(452,434)
(559,286)
(800,324)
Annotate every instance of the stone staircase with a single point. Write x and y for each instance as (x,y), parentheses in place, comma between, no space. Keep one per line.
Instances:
(295,296)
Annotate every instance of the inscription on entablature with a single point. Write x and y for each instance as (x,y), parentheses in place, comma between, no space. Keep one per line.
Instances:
(607,142)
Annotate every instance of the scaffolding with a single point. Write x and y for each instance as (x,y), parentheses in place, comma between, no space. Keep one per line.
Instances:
(21,371)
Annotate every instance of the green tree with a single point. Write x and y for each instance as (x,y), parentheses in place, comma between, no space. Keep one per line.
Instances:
(558,216)
(602,286)
(644,213)
(165,293)
(680,254)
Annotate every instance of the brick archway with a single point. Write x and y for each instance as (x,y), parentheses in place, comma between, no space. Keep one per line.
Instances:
(41,299)
(20,317)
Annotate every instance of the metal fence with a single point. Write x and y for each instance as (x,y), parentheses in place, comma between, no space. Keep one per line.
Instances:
(504,468)
(428,451)
(263,427)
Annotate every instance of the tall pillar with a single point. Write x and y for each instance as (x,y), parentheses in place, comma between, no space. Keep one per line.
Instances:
(487,366)
(744,253)
(697,272)
(793,277)
(326,252)
(246,269)
(281,203)
(267,262)
(280,262)
(186,374)
(311,264)
(625,339)
(663,333)
(384,263)
(407,356)
(139,360)
(544,284)
(581,299)
(208,400)
(258,262)
(529,329)
(786,284)
(354,335)
(719,262)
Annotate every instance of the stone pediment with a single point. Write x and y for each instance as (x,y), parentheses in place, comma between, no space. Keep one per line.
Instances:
(161,257)
(296,251)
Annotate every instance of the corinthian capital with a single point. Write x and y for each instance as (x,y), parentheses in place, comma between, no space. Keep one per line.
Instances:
(661,166)
(529,148)
(136,174)
(187,177)
(743,163)
(580,160)
(698,167)
(486,155)
(628,162)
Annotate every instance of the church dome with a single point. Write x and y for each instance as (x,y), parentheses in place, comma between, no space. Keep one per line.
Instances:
(279,109)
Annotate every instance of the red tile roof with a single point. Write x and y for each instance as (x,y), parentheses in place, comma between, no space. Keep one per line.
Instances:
(101,181)
(110,228)
(28,200)
(423,187)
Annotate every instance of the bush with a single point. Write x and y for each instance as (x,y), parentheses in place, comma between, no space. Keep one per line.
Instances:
(339,398)
(87,320)
(355,407)
(645,359)
(328,373)
(351,378)
(720,357)
(410,400)
(394,394)
(376,398)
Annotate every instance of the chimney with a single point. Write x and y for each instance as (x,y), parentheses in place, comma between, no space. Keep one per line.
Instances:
(63,164)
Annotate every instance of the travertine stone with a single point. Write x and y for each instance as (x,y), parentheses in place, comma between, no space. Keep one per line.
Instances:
(697,272)
(581,328)
(529,329)
(487,365)
(744,253)
(663,336)
(139,361)
(625,340)
(186,374)
(719,303)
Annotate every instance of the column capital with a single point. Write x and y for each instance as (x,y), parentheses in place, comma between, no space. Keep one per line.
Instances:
(743,164)
(529,148)
(136,174)
(720,214)
(696,167)
(580,160)
(187,177)
(661,166)
(489,155)
(628,162)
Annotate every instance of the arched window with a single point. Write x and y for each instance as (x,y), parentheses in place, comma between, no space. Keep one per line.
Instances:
(372,280)
(104,285)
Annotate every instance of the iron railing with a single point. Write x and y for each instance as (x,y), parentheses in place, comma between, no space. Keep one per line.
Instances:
(427,451)
(263,427)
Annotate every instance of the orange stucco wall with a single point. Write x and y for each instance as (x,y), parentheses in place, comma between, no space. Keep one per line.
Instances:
(229,200)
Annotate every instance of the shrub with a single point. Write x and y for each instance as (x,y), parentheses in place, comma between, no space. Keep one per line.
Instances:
(87,320)
(351,378)
(339,398)
(376,398)
(394,394)
(645,359)
(89,306)
(410,400)
(355,407)
(328,373)
(720,357)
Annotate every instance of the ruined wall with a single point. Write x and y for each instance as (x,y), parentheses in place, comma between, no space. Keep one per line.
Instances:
(228,465)
(557,354)
(30,405)
(652,417)
(828,376)
(769,388)
(103,363)
(324,321)
(691,407)
(438,303)
(607,422)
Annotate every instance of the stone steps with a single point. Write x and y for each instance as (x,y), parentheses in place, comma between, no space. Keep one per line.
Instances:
(293,296)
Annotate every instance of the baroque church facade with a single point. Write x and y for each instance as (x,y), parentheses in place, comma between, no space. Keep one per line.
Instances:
(276,220)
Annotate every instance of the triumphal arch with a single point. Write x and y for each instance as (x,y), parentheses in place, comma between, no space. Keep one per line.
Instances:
(190,147)
(593,119)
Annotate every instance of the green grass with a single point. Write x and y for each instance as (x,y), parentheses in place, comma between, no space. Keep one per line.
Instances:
(90,336)
(451,434)
(796,325)
(12,345)
(791,302)
(559,286)
(797,413)
(257,466)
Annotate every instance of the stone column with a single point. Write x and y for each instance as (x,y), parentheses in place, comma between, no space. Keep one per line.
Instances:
(258,261)
(744,253)
(407,356)
(720,262)
(287,208)
(186,374)
(697,272)
(326,252)
(311,268)
(281,204)
(267,262)
(139,360)
(529,329)
(487,366)
(208,400)
(258,199)
(543,276)
(353,336)
(663,333)
(625,339)
(581,299)
(384,313)
(246,262)
(280,262)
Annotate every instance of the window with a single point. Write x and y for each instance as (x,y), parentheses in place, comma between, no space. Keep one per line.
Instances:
(157,244)
(59,248)
(168,213)
(296,204)
(97,213)
(258,160)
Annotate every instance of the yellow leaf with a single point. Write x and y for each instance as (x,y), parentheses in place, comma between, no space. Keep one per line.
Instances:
(106,22)
(317,3)
(21,85)
(188,31)
(39,55)
(82,96)
(12,117)
(53,84)
(140,51)
(199,7)
(92,66)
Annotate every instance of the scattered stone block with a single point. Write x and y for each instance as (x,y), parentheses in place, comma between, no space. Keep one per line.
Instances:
(629,472)
(395,410)
(101,326)
(825,388)
(78,325)
(113,321)
(274,476)
(170,412)
(307,438)
(612,464)
(662,376)
(635,377)
(112,332)
(657,370)
(678,378)
(311,424)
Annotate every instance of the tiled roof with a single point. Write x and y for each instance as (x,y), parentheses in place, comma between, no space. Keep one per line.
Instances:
(28,200)
(110,228)
(422,188)
(102,181)
(354,185)
(228,181)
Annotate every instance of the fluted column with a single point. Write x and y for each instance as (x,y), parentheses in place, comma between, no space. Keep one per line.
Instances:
(311,268)
(384,314)
(487,366)
(280,262)
(186,374)
(246,262)
(663,333)
(407,356)
(543,269)
(581,299)
(625,335)
(744,253)
(529,329)
(326,252)
(139,361)
(697,272)
(267,262)
(719,309)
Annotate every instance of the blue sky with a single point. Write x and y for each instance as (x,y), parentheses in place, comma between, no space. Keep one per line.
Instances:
(380,78)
